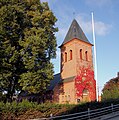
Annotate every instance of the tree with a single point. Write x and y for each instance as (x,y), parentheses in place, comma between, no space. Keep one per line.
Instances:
(11,31)
(27,44)
(111,90)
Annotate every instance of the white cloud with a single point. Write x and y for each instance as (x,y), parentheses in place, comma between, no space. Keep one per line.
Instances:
(101,28)
(84,20)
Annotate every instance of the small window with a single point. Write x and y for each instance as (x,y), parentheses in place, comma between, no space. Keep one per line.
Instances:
(65,57)
(81,54)
(62,98)
(70,54)
(74,29)
(65,97)
(86,55)
(78,100)
(68,97)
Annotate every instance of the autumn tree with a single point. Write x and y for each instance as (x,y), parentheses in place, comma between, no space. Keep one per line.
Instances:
(27,44)
(111,90)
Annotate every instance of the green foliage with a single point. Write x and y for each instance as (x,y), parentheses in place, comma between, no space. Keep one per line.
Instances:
(111,90)
(11,25)
(25,106)
(39,46)
(45,109)
(27,44)
(28,109)
(17,107)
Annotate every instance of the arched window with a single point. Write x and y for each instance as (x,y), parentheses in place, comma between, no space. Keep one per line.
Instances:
(86,55)
(68,97)
(86,97)
(70,54)
(65,57)
(81,54)
(85,92)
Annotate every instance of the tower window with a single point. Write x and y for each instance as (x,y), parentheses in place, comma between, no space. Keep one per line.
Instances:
(70,54)
(68,97)
(81,54)
(62,98)
(65,57)
(86,55)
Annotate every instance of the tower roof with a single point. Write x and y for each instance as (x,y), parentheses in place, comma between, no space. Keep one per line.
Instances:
(75,31)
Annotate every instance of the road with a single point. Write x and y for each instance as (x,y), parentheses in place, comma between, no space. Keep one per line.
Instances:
(114,118)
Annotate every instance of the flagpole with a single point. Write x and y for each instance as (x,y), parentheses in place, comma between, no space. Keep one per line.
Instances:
(95,57)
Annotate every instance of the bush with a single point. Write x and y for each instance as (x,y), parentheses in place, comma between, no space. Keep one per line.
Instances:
(29,110)
(26,105)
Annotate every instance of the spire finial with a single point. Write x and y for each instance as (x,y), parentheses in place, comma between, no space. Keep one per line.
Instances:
(74,15)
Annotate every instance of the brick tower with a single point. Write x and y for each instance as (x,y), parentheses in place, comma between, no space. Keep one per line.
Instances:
(77,74)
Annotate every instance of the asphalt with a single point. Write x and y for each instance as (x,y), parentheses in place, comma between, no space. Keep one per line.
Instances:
(112,116)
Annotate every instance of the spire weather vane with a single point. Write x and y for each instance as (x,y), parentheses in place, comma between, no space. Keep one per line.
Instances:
(74,14)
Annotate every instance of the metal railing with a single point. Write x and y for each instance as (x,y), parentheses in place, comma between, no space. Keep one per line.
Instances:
(87,115)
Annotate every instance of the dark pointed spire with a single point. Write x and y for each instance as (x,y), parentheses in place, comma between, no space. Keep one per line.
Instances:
(75,31)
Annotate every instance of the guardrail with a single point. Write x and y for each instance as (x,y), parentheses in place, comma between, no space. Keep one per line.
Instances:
(87,115)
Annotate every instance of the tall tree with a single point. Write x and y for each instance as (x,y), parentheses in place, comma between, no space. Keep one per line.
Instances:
(39,46)
(27,44)
(11,31)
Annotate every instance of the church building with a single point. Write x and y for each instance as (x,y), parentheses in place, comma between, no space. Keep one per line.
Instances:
(75,83)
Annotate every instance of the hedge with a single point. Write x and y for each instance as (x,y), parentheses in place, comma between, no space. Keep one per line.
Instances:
(29,110)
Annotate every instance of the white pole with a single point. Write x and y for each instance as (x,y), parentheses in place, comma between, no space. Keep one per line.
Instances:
(95,58)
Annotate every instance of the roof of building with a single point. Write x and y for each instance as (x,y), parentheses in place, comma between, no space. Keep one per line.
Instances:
(75,31)
(55,81)
(68,79)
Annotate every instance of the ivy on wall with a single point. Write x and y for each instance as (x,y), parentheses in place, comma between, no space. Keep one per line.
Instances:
(85,81)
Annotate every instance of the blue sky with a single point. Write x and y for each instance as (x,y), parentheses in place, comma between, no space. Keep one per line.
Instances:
(106,17)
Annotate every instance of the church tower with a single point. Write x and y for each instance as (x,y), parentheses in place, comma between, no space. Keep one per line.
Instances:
(77,74)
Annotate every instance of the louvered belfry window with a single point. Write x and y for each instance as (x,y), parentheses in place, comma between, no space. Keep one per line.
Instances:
(65,57)
(86,55)
(70,54)
(81,54)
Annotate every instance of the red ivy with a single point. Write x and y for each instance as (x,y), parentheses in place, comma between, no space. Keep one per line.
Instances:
(85,80)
